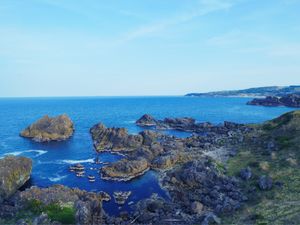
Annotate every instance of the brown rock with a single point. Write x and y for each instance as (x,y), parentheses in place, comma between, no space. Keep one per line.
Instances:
(50,129)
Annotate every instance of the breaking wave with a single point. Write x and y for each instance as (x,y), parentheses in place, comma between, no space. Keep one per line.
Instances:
(17,153)
(57,178)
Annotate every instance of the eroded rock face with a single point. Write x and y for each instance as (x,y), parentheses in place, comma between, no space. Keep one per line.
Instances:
(114,139)
(125,169)
(50,129)
(14,172)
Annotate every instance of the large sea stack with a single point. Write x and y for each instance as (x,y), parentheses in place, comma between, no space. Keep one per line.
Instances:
(50,129)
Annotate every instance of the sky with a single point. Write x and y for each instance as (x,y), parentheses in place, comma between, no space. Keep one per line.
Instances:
(146,47)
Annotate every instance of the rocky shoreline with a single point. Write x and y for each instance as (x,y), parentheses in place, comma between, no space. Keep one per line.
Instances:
(202,187)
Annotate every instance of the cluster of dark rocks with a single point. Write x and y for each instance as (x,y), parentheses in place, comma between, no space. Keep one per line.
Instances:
(189,125)
(290,100)
(151,149)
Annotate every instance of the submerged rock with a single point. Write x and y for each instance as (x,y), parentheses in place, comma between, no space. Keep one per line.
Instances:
(121,196)
(14,172)
(50,129)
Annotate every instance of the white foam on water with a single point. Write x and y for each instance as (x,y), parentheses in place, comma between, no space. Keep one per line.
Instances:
(17,153)
(69,161)
(14,153)
(57,178)
(39,152)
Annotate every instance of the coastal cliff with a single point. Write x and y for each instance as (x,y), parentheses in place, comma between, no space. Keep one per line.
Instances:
(251,92)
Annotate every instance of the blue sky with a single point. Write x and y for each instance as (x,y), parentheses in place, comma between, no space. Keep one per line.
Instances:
(146,47)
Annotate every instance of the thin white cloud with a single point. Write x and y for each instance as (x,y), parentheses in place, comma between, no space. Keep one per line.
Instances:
(203,7)
(253,43)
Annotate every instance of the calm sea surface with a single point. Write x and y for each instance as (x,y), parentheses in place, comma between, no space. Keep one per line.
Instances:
(51,160)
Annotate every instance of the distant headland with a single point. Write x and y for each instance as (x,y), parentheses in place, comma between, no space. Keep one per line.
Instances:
(278,91)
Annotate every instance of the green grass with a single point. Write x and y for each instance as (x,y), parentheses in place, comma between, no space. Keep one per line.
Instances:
(279,206)
(65,215)
(55,212)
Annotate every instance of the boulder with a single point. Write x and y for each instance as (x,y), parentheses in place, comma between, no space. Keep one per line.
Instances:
(246,173)
(196,207)
(265,183)
(14,172)
(50,129)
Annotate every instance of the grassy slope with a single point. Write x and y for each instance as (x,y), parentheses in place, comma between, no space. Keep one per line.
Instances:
(281,205)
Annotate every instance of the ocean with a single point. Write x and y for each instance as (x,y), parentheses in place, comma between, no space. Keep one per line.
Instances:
(52,160)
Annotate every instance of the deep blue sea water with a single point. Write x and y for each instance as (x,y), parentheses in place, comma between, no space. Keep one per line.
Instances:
(51,160)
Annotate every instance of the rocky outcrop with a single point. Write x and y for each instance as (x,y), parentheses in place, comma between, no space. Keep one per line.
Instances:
(147,121)
(125,169)
(14,172)
(166,161)
(50,129)
(155,150)
(291,100)
(201,181)
(190,125)
(114,139)
(86,206)
(184,123)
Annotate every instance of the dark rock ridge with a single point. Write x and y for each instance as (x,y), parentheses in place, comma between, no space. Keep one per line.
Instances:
(190,125)
(291,100)
(50,129)
(253,92)
(14,172)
